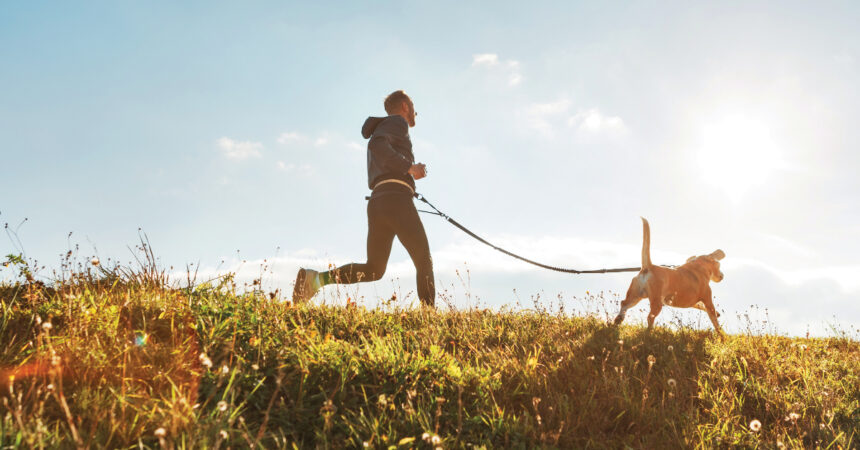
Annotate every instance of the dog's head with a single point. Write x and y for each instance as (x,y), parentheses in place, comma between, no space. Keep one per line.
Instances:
(710,264)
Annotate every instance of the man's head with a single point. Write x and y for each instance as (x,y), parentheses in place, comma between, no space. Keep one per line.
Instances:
(399,104)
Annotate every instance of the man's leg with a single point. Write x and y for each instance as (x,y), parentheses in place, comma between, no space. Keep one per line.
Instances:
(380,236)
(411,233)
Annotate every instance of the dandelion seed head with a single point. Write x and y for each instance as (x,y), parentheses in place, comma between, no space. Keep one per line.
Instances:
(160,432)
(255,367)
(755,425)
(95,261)
(47,326)
(222,405)
(225,370)
(425,437)
(651,360)
(671,348)
(224,434)
(793,417)
(672,383)
(435,440)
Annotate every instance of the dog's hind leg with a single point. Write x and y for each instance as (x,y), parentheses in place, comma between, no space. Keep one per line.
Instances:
(656,307)
(634,295)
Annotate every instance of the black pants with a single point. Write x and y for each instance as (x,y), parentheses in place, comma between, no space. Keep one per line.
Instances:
(392,215)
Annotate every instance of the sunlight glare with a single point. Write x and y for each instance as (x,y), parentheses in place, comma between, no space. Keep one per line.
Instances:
(737,154)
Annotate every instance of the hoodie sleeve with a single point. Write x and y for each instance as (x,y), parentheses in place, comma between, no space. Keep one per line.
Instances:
(380,146)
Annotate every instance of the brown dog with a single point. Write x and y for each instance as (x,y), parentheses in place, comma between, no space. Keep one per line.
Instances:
(683,287)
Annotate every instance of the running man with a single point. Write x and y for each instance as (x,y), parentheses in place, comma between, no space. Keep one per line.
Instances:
(391,175)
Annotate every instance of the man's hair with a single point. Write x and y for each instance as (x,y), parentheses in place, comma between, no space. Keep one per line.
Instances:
(394,99)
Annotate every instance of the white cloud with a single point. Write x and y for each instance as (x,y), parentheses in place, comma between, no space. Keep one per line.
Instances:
(485,59)
(320,141)
(509,69)
(593,121)
(239,150)
(304,169)
(542,117)
(286,138)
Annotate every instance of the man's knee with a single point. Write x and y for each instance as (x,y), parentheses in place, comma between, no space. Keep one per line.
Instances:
(374,272)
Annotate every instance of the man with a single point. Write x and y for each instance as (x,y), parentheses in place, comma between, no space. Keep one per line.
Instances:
(391,175)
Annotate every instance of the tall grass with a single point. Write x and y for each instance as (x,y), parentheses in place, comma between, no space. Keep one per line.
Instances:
(114,357)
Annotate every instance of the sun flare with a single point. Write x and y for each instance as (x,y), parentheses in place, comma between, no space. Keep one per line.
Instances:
(737,154)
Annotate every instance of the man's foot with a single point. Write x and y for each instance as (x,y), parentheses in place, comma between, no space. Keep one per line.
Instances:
(306,285)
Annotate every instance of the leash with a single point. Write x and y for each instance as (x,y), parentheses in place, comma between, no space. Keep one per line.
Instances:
(470,233)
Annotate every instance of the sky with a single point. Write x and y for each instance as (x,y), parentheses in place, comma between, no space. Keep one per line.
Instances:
(229,133)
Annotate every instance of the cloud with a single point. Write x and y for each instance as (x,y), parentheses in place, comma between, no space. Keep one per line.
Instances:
(286,138)
(485,59)
(593,121)
(239,150)
(542,117)
(550,117)
(304,169)
(509,69)
(293,137)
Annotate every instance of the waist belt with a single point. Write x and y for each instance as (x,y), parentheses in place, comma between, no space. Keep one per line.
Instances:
(394,180)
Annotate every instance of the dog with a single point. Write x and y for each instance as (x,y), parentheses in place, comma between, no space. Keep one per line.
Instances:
(684,287)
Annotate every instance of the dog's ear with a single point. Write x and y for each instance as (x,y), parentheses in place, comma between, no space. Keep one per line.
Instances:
(718,255)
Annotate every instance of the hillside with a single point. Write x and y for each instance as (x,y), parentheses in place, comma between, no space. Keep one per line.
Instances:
(111,358)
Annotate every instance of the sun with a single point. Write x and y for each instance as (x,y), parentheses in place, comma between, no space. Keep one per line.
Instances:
(737,153)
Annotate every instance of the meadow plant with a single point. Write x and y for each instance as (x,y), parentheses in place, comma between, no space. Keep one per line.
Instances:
(110,355)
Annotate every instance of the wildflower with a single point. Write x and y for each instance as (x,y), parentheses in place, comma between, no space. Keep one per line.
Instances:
(205,361)
(160,432)
(222,405)
(382,400)
(435,440)
(672,383)
(95,261)
(425,437)
(224,434)
(671,349)
(755,425)
(47,326)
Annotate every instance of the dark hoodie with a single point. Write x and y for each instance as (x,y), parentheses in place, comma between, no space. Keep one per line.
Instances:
(389,151)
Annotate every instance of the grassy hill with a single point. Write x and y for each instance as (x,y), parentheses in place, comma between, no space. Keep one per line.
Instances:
(112,358)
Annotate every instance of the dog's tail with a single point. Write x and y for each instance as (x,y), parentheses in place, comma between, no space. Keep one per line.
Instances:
(646,245)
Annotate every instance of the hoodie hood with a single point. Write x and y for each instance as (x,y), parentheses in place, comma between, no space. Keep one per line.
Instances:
(370,126)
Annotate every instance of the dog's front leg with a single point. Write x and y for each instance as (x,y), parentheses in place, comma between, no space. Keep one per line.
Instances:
(712,313)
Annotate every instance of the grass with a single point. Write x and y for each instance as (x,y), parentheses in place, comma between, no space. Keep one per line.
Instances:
(114,358)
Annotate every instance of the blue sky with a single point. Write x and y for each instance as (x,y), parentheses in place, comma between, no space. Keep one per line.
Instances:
(230,132)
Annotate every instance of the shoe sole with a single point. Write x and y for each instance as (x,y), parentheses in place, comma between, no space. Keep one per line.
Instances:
(298,289)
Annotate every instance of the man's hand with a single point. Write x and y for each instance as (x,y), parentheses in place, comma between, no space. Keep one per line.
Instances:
(418,171)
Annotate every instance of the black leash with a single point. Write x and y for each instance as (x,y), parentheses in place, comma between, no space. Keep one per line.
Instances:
(467,231)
